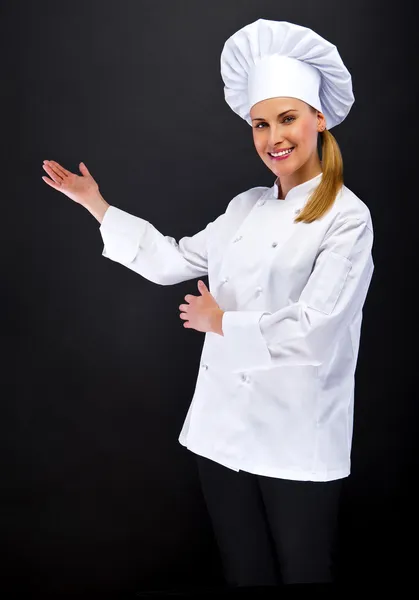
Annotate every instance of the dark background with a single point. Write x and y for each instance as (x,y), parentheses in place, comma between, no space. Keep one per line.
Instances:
(97,369)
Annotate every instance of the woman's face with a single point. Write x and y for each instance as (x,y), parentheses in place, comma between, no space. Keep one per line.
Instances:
(281,123)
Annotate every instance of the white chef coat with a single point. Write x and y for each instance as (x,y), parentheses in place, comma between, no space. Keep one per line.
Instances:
(275,395)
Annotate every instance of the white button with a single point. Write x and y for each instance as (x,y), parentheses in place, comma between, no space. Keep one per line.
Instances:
(238,238)
(274,244)
(259,289)
(260,202)
(205,367)
(297,211)
(245,377)
(225,280)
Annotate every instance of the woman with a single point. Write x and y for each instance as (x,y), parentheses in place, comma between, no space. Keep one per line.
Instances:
(289,269)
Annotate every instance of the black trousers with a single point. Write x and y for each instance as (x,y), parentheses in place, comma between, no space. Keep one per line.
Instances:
(268,530)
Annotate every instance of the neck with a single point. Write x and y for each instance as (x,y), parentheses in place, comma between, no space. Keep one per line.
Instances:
(286,182)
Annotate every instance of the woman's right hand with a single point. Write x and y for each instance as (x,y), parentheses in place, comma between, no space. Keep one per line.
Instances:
(79,188)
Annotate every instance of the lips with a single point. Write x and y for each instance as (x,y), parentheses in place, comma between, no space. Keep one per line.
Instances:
(282,150)
(282,157)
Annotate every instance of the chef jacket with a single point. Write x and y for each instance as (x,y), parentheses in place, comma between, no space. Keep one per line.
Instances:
(274,395)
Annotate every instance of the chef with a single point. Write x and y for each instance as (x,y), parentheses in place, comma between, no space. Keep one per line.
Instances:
(289,267)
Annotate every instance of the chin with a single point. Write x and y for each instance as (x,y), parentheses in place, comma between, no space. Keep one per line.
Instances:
(280,168)
(283,170)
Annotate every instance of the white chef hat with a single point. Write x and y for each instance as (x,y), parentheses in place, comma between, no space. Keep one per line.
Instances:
(266,59)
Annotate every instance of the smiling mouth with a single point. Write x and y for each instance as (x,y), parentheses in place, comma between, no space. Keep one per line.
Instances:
(282,154)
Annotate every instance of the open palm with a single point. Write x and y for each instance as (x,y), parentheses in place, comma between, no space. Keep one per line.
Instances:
(76,187)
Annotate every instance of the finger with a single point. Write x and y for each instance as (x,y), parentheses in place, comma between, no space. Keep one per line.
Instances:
(183,307)
(52,169)
(59,169)
(202,287)
(51,183)
(82,167)
(184,316)
(56,177)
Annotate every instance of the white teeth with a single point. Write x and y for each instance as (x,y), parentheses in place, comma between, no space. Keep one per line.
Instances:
(282,153)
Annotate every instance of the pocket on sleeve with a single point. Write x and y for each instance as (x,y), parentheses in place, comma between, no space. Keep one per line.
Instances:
(326,282)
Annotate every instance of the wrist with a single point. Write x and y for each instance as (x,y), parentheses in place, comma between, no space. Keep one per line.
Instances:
(97,206)
(218,321)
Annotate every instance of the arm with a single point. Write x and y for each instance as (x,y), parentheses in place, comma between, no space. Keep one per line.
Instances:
(138,245)
(304,332)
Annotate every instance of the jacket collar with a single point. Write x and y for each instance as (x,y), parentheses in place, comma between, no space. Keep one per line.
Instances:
(298,191)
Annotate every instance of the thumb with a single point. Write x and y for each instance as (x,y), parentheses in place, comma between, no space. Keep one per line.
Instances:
(84,169)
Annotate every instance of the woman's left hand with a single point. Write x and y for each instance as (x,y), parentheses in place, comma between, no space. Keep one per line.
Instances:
(202,312)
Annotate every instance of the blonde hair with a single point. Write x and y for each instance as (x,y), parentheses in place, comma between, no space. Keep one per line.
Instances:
(323,197)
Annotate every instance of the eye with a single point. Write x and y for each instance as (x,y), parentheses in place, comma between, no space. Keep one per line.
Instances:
(284,121)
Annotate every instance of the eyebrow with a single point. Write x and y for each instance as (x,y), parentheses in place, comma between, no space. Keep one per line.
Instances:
(280,114)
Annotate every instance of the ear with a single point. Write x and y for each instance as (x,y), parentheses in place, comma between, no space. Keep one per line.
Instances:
(321,121)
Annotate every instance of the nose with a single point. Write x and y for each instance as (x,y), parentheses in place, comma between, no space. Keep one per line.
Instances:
(276,136)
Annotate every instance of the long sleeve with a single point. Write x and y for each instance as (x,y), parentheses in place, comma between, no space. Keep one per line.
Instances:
(138,245)
(303,333)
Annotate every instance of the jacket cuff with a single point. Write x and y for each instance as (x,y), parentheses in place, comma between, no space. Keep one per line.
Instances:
(121,233)
(246,345)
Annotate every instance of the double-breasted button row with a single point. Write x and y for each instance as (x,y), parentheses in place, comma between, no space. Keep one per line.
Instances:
(243,376)
(258,289)
(240,237)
